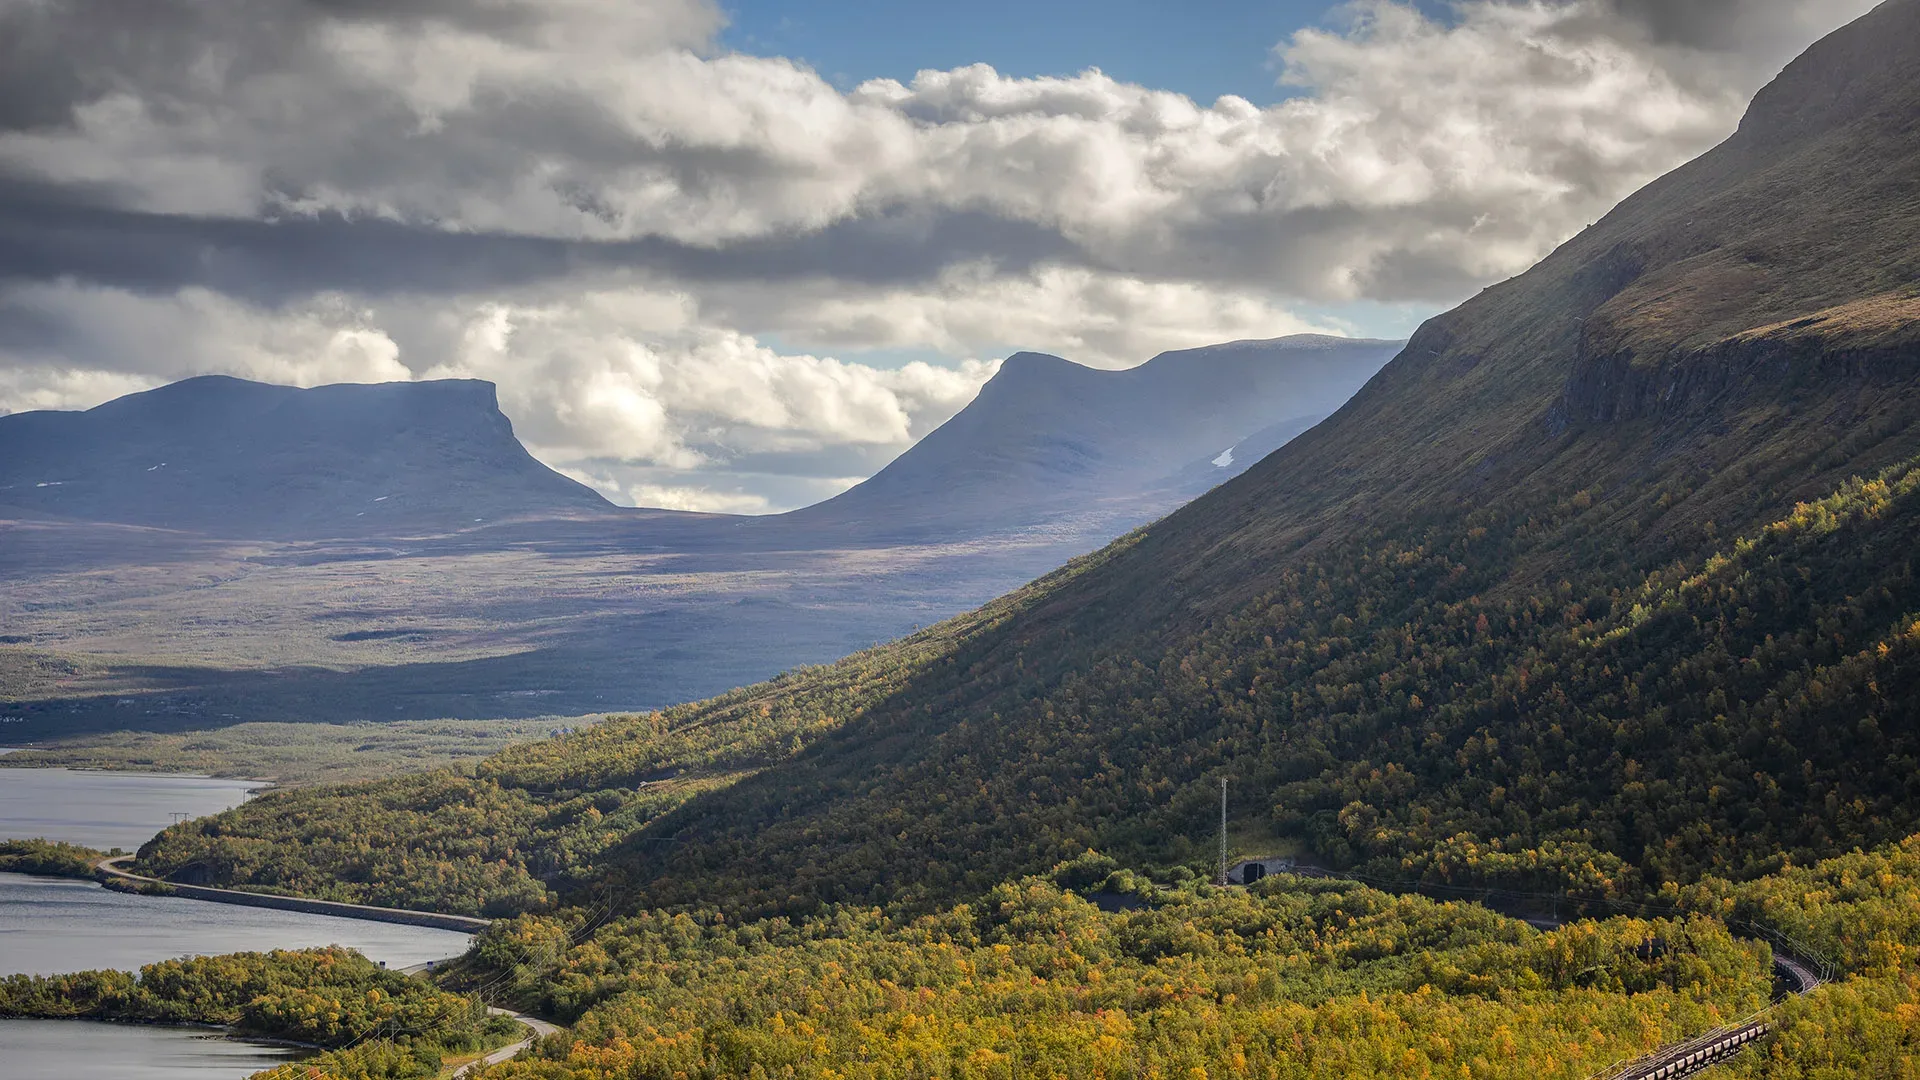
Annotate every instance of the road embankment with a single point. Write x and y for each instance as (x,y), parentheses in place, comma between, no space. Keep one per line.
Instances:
(112,875)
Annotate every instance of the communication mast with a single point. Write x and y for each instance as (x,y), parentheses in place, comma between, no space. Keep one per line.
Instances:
(1223,830)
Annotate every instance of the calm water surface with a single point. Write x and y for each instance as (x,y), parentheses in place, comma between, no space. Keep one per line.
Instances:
(50,925)
(103,809)
(78,1050)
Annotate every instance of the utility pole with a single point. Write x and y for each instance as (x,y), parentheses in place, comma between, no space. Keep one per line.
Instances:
(1223,830)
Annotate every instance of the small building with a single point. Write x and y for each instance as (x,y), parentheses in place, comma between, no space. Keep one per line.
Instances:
(1248,871)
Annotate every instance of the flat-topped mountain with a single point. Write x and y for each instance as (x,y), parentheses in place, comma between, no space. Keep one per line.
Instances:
(241,458)
(1047,438)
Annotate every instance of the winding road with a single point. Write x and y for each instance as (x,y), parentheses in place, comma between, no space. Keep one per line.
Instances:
(535,1026)
(538,1027)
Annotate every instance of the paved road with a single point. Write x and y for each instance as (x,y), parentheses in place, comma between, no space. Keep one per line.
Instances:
(536,1027)
(341,909)
(539,1028)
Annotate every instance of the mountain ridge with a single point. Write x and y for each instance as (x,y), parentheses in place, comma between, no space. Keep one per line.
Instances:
(1047,437)
(235,456)
(275,492)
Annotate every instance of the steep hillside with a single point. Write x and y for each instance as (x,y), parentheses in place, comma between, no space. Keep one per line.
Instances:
(1607,581)
(238,458)
(1048,439)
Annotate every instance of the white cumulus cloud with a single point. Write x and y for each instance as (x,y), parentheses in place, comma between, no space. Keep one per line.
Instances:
(674,259)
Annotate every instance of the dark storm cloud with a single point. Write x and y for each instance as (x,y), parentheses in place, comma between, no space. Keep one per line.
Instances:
(278,146)
(54,56)
(1758,35)
(49,233)
(1697,24)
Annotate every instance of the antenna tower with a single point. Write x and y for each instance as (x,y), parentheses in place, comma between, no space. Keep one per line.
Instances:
(1223,830)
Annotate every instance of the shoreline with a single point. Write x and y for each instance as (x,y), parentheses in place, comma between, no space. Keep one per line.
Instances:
(266,782)
(223,1030)
(139,883)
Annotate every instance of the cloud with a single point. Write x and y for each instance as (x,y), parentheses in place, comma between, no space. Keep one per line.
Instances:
(616,383)
(107,337)
(1421,157)
(49,387)
(1764,35)
(682,264)
(636,376)
(1097,319)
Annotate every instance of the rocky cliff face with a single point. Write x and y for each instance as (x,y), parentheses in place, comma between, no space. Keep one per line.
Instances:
(1778,363)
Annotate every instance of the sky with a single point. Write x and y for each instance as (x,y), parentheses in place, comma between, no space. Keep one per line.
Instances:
(736,256)
(1200,48)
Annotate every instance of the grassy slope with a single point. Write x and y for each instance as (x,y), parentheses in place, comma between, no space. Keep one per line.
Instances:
(1411,635)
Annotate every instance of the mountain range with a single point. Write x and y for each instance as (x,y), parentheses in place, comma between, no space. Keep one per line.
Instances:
(1047,439)
(1566,680)
(1606,584)
(218,550)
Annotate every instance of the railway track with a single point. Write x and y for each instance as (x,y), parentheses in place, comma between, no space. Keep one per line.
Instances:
(1692,1056)
(1703,1052)
(1675,1060)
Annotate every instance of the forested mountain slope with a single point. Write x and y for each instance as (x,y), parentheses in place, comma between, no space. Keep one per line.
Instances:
(1608,580)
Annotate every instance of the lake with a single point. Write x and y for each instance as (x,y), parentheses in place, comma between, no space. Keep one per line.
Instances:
(106,810)
(50,925)
(48,1048)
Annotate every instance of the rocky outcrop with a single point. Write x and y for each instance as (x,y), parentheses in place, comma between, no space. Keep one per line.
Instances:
(1620,384)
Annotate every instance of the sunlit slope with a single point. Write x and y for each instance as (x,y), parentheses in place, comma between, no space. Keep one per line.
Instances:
(1540,604)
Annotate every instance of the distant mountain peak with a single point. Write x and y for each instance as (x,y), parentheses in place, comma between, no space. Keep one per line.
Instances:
(1026,359)
(249,458)
(1026,367)
(1292,342)
(1048,438)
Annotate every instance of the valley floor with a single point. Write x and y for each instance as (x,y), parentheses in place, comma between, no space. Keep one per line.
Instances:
(110,629)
